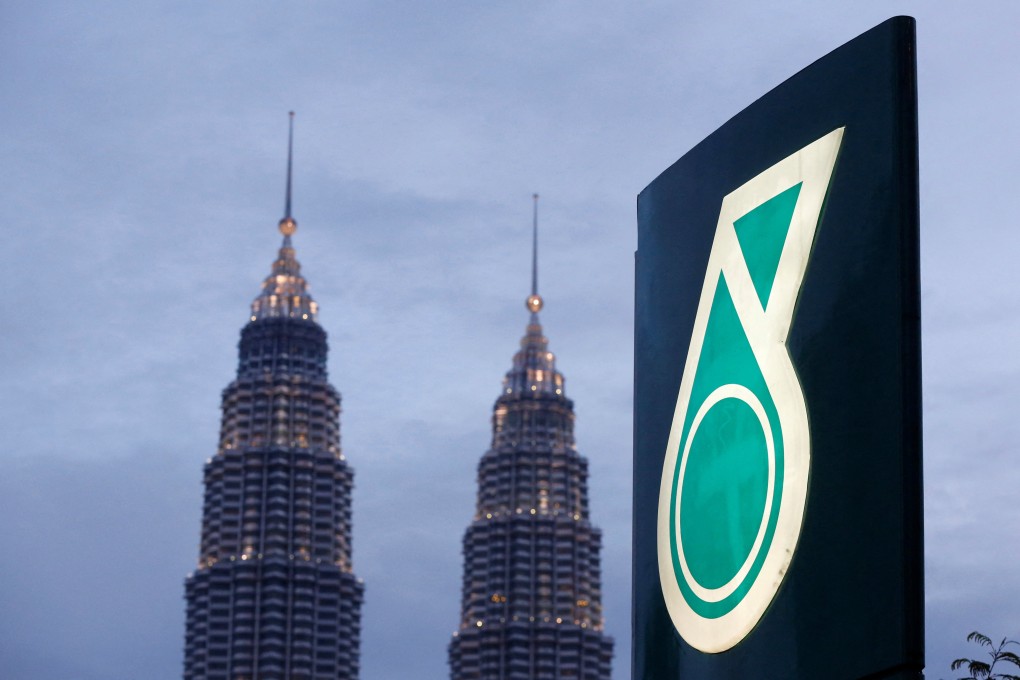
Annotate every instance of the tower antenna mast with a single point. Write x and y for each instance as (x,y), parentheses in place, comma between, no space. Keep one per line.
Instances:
(534,301)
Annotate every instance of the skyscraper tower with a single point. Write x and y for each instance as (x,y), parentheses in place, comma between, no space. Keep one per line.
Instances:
(274,596)
(532,596)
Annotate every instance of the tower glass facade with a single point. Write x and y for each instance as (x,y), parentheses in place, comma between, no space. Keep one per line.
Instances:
(532,595)
(274,595)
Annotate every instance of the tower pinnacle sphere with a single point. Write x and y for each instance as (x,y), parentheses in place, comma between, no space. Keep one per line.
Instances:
(288,225)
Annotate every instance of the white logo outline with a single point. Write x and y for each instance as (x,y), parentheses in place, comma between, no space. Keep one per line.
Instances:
(766,330)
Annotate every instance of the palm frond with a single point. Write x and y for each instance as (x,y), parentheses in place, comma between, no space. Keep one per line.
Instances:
(957,663)
(981,639)
(1009,657)
(979,668)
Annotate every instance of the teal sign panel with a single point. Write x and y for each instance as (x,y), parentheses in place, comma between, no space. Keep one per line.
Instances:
(777,470)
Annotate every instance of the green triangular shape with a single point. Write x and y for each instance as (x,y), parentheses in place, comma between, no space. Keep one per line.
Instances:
(762,234)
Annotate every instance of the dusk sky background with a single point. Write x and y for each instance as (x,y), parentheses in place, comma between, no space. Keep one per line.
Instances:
(143,153)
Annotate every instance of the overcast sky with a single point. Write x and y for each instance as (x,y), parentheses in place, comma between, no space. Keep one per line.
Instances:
(143,152)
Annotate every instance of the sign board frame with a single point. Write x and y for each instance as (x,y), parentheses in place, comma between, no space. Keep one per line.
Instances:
(848,600)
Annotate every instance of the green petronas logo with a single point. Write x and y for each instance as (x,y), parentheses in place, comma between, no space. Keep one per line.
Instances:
(735,475)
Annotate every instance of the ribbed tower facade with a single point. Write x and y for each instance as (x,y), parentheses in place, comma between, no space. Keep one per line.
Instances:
(532,595)
(274,596)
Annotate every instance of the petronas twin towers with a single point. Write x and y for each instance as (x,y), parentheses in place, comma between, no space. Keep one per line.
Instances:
(275,596)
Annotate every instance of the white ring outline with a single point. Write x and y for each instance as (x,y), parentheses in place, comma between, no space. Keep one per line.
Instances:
(741,393)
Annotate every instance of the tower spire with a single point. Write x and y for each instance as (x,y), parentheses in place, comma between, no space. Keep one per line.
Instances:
(534,301)
(288,225)
(285,292)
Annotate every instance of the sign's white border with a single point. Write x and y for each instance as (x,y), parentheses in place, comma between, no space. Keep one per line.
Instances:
(766,329)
